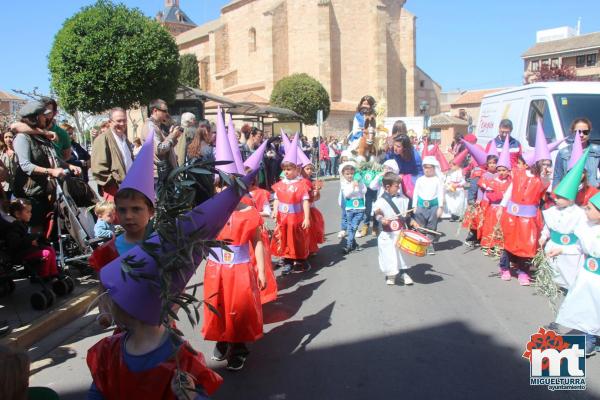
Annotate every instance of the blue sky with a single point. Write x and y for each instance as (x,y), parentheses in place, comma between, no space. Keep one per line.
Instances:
(466,44)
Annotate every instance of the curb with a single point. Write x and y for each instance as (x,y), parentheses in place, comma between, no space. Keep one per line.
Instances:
(24,337)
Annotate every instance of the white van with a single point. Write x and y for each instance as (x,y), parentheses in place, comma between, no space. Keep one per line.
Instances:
(557,103)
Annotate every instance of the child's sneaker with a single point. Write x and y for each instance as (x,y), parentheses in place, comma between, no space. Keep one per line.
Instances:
(505,274)
(286,269)
(235,363)
(220,351)
(523,279)
(590,345)
(300,267)
(430,251)
(407,279)
(390,280)
(362,232)
(341,234)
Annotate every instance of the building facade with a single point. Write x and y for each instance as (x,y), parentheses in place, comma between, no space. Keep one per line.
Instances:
(353,47)
(565,47)
(174,19)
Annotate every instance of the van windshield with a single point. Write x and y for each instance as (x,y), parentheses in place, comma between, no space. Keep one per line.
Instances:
(572,106)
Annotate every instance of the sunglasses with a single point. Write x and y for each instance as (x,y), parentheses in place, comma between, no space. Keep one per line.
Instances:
(584,132)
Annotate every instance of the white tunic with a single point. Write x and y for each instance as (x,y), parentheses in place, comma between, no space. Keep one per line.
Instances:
(581,308)
(455,199)
(563,221)
(390,258)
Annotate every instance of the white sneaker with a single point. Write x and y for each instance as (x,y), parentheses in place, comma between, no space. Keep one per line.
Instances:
(359,234)
(341,234)
(390,280)
(407,279)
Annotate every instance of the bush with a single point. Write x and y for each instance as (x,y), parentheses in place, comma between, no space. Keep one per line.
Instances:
(108,55)
(304,95)
(188,76)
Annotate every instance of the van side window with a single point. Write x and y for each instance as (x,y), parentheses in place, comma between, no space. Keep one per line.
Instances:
(539,109)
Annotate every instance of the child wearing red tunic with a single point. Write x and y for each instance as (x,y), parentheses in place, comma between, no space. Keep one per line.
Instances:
(586,191)
(521,219)
(231,286)
(261,199)
(488,175)
(494,188)
(472,217)
(317,222)
(291,210)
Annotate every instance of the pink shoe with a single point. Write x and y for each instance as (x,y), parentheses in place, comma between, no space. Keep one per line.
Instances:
(505,274)
(523,279)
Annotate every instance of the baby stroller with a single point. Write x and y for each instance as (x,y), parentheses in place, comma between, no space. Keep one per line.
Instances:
(74,223)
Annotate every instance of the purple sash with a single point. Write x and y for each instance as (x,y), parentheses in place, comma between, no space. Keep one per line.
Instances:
(288,208)
(237,255)
(521,210)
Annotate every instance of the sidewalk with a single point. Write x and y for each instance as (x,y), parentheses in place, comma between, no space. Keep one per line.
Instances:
(29,325)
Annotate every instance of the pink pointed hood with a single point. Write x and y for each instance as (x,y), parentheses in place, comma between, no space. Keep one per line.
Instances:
(541,145)
(140,175)
(554,145)
(493,151)
(253,162)
(476,152)
(504,159)
(235,148)
(529,157)
(302,158)
(291,155)
(223,148)
(576,152)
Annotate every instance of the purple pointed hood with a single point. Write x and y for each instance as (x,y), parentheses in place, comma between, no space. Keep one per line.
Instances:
(529,157)
(253,162)
(141,298)
(576,152)
(493,151)
(302,158)
(476,152)
(554,145)
(285,140)
(504,159)
(140,175)
(291,155)
(235,148)
(541,145)
(223,148)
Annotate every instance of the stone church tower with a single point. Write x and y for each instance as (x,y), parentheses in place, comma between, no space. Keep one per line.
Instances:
(353,47)
(174,19)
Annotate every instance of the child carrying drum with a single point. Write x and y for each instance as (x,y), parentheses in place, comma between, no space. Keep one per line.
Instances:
(389,210)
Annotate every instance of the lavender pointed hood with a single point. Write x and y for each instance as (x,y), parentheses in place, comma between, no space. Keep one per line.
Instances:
(140,175)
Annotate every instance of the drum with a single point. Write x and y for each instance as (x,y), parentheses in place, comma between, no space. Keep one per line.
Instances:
(413,243)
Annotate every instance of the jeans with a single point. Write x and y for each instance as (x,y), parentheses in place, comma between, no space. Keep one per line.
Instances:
(332,166)
(427,218)
(353,218)
(344,221)
(324,167)
(522,264)
(370,198)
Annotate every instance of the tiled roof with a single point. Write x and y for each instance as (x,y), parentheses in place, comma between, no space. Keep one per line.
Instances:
(473,96)
(169,14)
(8,96)
(588,41)
(446,120)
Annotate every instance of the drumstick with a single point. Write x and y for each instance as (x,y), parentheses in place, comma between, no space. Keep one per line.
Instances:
(404,213)
(429,231)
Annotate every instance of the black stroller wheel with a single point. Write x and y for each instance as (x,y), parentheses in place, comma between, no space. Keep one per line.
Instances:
(50,296)
(39,301)
(60,287)
(11,286)
(70,284)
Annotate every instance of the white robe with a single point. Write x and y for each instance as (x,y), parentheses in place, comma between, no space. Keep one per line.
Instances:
(581,308)
(455,200)
(564,221)
(390,258)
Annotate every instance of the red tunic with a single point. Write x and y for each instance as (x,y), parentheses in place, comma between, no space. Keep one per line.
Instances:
(495,189)
(472,216)
(289,238)
(115,381)
(103,254)
(585,194)
(485,201)
(232,289)
(521,234)
(317,223)
(260,197)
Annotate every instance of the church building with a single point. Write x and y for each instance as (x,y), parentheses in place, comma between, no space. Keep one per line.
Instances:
(353,47)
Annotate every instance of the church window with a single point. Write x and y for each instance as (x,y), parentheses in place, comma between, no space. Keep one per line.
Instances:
(252,40)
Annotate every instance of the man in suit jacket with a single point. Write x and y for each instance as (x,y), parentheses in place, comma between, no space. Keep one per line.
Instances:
(112,155)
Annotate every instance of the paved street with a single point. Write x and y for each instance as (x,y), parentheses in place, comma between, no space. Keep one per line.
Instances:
(338,332)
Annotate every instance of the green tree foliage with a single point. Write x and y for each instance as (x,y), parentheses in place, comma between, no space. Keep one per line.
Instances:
(108,55)
(188,76)
(304,95)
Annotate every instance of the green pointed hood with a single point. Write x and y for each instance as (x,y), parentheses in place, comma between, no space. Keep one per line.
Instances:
(569,184)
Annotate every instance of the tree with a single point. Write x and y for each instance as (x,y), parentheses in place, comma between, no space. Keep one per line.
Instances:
(304,95)
(552,74)
(108,55)
(189,76)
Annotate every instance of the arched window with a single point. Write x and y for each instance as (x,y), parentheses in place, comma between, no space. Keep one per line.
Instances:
(252,40)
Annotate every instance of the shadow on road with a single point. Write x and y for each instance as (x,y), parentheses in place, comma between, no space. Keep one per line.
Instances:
(288,304)
(448,245)
(422,274)
(447,361)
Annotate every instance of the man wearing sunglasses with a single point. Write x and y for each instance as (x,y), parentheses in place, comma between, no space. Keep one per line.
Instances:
(165,137)
(583,128)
